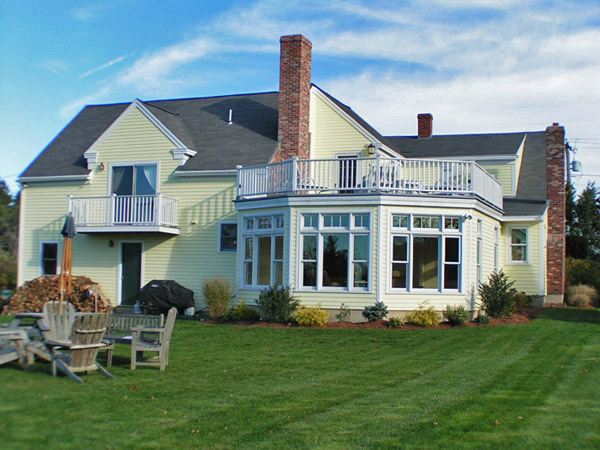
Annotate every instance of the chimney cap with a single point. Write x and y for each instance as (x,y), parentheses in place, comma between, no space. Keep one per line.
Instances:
(295,37)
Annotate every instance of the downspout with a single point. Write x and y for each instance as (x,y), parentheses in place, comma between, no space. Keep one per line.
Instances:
(379,252)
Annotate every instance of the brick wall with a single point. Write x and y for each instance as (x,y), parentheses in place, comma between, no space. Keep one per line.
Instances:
(555,193)
(294,98)
(424,125)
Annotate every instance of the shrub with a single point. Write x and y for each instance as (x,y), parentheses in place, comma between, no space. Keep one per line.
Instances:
(277,303)
(344,313)
(583,271)
(581,295)
(243,313)
(483,319)
(498,295)
(218,293)
(456,315)
(396,322)
(378,311)
(522,301)
(424,316)
(308,316)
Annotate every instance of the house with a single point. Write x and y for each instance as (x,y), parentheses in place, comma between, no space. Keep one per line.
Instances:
(294,188)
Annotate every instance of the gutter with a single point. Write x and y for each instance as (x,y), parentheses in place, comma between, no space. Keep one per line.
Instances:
(55,178)
(206,173)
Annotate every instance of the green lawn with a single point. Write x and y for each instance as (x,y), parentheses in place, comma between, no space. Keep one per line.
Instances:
(512,386)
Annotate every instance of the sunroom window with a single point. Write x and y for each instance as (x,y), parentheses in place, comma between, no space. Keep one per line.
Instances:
(263,250)
(335,251)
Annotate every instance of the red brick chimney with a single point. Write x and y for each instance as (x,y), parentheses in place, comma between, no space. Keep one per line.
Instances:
(294,98)
(425,126)
(555,193)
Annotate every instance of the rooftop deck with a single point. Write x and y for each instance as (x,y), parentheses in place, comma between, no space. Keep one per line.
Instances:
(369,175)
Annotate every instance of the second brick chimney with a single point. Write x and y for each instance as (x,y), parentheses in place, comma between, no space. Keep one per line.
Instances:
(294,98)
(425,126)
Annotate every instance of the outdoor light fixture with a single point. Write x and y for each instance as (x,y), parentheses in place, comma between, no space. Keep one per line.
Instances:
(102,166)
(371,149)
(111,243)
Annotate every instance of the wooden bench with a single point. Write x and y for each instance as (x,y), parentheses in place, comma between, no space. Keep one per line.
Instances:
(120,326)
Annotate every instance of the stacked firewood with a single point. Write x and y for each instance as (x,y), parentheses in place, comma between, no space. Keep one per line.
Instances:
(85,296)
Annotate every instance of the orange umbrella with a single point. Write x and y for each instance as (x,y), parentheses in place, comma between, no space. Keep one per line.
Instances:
(68,231)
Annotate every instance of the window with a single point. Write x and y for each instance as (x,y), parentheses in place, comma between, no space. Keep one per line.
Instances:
(496,248)
(425,252)
(227,236)
(263,250)
(518,245)
(139,179)
(49,263)
(479,251)
(335,251)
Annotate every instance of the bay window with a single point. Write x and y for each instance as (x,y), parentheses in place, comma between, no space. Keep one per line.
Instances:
(425,253)
(335,251)
(263,251)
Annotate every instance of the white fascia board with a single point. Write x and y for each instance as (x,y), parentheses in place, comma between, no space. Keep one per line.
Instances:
(206,173)
(489,159)
(523,218)
(136,104)
(55,178)
(375,141)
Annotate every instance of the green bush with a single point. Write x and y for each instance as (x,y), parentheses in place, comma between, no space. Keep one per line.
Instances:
(456,315)
(583,271)
(581,295)
(522,301)
(307,316)
(483,319)
(218,293)
(243,313)
(344,313)
(375,312)
(396,322)
(498,295)
(424,316)
(277,303)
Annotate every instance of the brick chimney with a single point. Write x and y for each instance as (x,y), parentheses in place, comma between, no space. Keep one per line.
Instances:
(294,98)
(555,193)
(425,126)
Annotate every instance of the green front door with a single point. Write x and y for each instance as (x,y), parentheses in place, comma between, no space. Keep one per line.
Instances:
(131,271)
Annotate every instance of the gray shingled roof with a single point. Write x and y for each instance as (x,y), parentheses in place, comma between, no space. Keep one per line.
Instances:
(200,123)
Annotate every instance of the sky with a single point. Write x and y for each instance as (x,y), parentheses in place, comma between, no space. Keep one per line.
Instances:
(478,66)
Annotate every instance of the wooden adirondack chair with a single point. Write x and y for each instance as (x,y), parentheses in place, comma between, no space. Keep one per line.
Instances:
(57,321)
(86,340)
(12,346)
(159,343)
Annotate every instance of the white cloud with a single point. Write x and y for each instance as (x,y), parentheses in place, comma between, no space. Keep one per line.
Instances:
(54,66)
(103,66)
(86,13)
(68,111)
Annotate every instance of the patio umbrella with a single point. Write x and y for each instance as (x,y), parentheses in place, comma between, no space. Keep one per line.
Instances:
(68,232)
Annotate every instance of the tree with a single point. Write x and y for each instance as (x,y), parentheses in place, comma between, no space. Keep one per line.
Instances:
(9,225)
(583,223)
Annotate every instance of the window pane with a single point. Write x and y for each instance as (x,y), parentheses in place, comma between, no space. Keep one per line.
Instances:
(249,245)
(399,221)
(519,253)
(249,224)
(278,221)
(361,247)
(279,273)
(361,274)
(335,260)
(145,180)
(425,262)
(400,250)
(228,236)
(122,180)
(518,236)
(264,260)
(452,250)
(49,259)
(451,276)
(248,268)
(310,220)
(310,247)
(451,223)
(361,220)
(264,223)
(309,274)
(398,275)
(278,247)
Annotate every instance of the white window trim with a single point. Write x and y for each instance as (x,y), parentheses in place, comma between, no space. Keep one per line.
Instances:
(111,165)
(509,260)
(58,256)
(318,231)
(219,247)
(254,233)
(410,232)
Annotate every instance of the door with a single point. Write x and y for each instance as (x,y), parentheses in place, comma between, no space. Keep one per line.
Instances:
(131,271)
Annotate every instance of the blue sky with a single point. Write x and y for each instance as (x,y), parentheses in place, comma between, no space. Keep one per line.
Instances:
(476,65)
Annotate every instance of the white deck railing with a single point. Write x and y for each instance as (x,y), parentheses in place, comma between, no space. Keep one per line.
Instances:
(369,175)
(157,210)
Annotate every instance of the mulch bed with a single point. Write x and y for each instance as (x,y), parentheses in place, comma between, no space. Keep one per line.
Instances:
(521,317)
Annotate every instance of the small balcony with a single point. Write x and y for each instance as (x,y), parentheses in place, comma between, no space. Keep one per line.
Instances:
(125,214)
(358,176)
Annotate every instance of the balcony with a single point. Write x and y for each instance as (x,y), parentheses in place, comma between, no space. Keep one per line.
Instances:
(369,176)
(125,214)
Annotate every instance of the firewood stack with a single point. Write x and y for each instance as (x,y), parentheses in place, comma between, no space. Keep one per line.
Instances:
(32,295)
